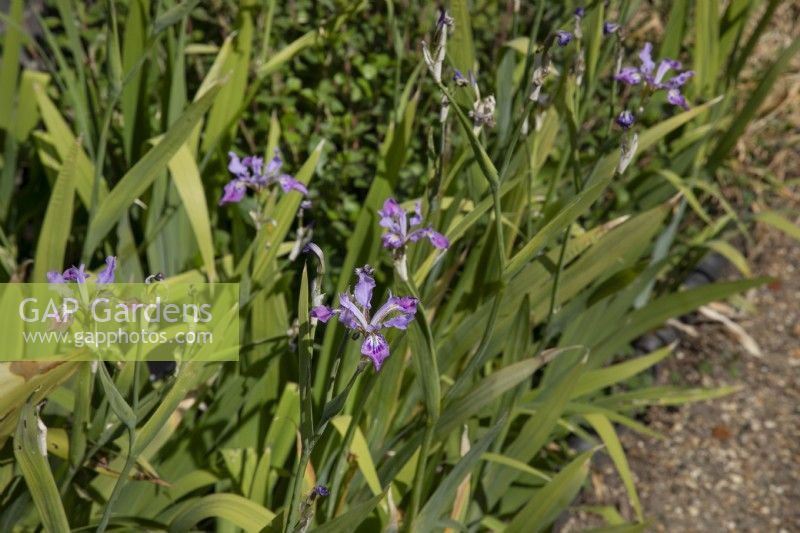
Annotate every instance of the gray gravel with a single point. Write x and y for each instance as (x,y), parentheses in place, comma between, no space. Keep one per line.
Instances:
(731,464)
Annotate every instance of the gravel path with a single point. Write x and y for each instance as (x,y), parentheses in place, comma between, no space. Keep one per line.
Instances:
(731,464)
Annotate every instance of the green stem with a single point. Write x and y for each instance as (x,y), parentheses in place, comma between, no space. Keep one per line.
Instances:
(297,489)
(419,474)
(309,442)
(554,290)
(123,477)
(430,420)
(337,470)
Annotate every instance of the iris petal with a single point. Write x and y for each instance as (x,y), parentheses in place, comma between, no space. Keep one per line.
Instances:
(366,283)
(235,165)
(288,183)
(376,348)
(233,192)
(392,240)
(647,59)
(350,315)
(675,97)
(107,274)
(323,313)
(416,217)
(629,76)
(76,274)
(680,79)
(274,165)
(437,239)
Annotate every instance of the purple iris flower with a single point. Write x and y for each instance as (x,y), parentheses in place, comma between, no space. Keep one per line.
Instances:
(107,274)
(400,227)
(563,37)
(354,314)
(654,77)
(625,119)
(79,274)
(610,27)
(250,172)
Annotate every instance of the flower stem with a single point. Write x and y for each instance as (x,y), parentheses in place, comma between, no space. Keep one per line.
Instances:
(121,480)
(419,474)
(337,472)
(331,409)
(297,488)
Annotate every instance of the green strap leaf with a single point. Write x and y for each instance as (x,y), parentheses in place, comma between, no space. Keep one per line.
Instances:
(9,68)
(598,379)
(547,503)
(441,499)
(55,231)
(606,432)
(780,222)
(138,179)
(536,431)
(244,513)
(115,399)
(31,453)
(489,389)
(348,522)
(186,177)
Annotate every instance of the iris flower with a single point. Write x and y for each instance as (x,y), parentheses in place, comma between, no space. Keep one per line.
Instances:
(354,312)
(563,38)
(251,173)
(654,77)
(400,227)
(79,274)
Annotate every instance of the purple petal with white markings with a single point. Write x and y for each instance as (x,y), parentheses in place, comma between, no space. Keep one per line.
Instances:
(376,348)
(675,97)
(392,240)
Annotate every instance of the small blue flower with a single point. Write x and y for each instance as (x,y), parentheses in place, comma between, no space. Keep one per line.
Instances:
(563,38)
(321,490)
(580,12)
(610,27)
(625,119)
(354,313)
